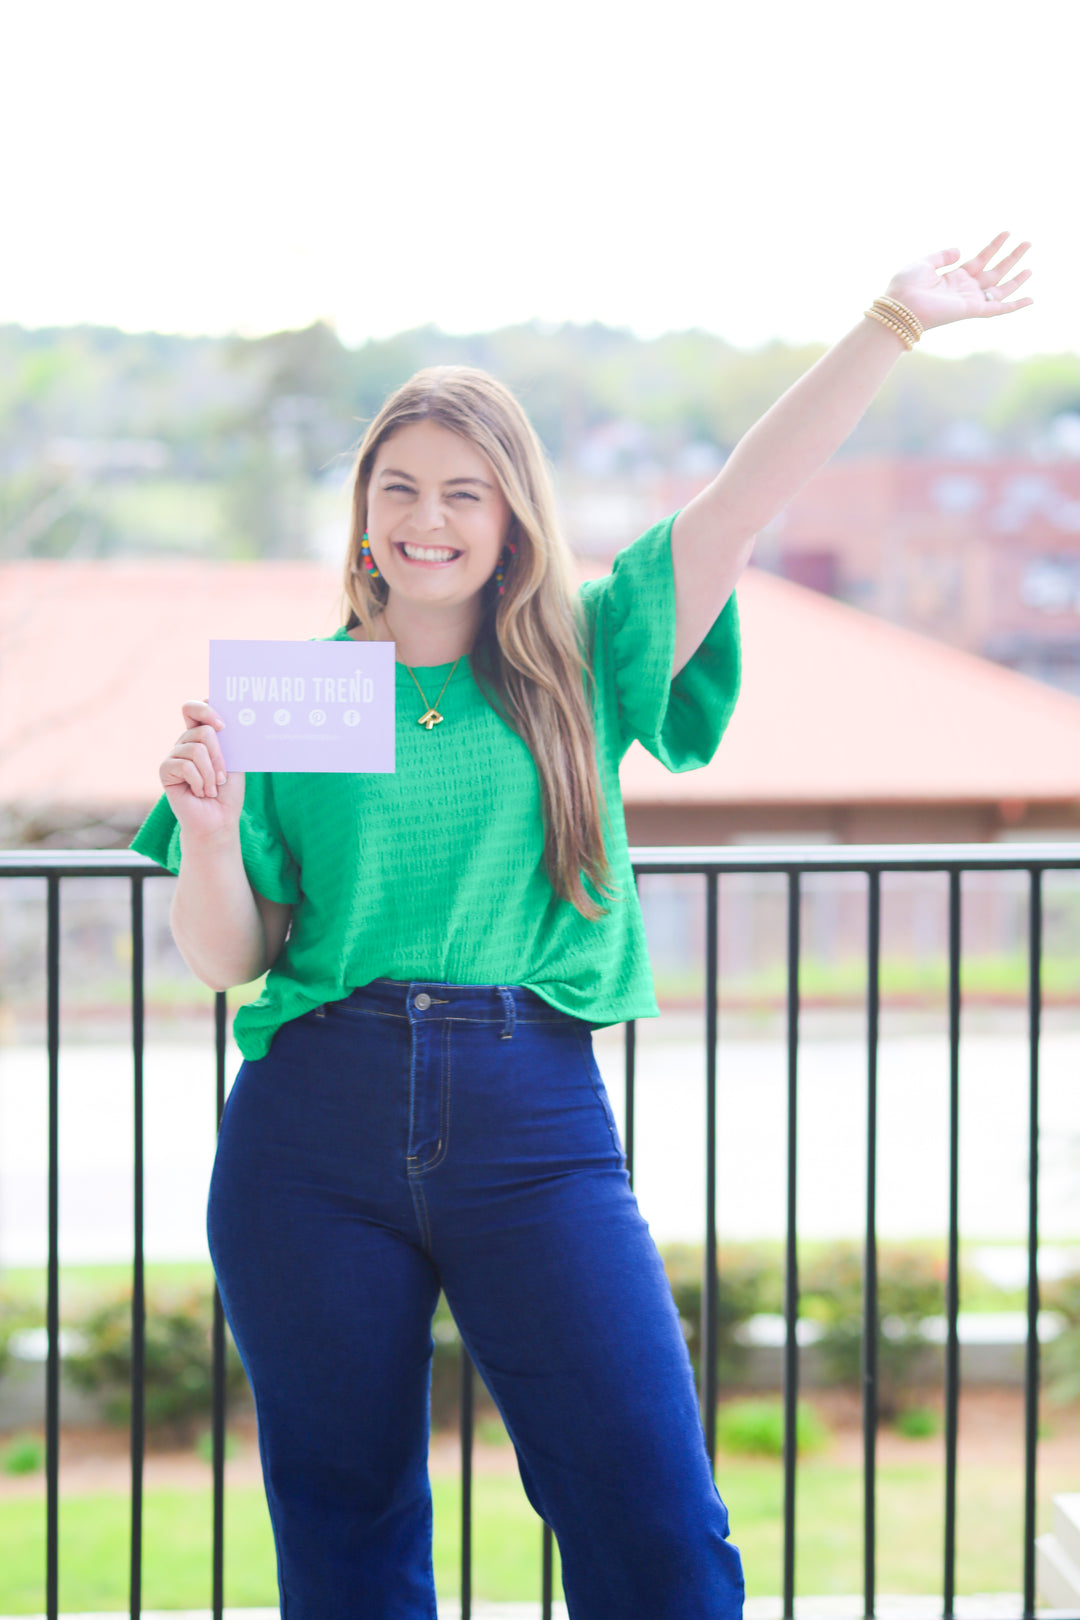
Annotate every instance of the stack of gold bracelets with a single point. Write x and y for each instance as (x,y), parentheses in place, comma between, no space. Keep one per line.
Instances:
(898,318)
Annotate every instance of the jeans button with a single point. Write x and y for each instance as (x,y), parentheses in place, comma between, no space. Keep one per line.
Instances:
(423,1001)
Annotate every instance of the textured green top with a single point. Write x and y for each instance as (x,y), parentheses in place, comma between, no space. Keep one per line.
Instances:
(436,872)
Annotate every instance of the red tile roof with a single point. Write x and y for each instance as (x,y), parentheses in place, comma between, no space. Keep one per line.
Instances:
(840,707)
(836,707)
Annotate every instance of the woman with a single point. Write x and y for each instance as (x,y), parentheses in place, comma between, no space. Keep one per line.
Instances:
(418,1106)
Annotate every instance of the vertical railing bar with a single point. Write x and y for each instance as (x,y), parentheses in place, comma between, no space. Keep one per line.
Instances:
(547,1595)
(629,1084)
(1031,1359)
(138,1281)
(791,1268)
(952,1284)
(870,1266)
(709,1301)
(52,1306)
(221,1012)
(466,1482)
(630,1060)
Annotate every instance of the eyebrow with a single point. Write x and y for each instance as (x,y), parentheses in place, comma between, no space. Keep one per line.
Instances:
(396,472)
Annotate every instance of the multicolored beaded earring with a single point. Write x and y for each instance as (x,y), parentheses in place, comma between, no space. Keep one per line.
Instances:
(367,561)
(508,551)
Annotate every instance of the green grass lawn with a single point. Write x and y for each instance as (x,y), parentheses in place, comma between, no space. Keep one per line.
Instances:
(506,1547)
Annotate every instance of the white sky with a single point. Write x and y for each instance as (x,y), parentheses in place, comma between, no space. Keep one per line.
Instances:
(757,169)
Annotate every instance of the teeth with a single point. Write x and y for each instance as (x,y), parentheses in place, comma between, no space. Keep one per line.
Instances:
(428,553)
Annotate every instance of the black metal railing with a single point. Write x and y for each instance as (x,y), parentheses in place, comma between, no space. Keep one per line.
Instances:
(709,865)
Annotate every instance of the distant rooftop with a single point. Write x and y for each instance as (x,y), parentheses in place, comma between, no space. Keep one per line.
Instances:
(836,706)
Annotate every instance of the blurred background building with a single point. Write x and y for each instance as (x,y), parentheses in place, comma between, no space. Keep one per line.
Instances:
(143,475)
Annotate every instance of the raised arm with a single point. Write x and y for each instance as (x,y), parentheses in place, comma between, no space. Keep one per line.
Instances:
(713,536)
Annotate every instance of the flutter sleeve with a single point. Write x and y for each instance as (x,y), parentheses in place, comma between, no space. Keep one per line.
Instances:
(270,865)
(629,622)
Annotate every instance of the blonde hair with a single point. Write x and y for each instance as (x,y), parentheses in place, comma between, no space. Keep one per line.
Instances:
(528,656)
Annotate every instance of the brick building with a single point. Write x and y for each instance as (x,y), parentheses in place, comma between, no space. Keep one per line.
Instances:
(983,555)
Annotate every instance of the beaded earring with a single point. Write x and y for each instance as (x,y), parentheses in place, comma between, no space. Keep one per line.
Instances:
(367,561)
(508,551)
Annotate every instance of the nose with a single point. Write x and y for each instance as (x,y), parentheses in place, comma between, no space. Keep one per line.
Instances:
(428,514)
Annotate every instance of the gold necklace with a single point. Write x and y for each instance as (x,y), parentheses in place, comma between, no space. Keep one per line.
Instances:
(431,716)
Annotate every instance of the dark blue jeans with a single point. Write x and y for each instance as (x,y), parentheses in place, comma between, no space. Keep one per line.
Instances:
(418,1135)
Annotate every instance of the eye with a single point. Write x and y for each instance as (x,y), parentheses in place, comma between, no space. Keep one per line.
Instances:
(466,494)
(405,487)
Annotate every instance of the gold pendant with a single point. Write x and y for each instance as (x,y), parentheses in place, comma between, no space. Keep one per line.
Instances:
(431,718)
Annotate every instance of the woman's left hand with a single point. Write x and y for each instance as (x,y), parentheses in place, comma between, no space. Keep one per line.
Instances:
(960,293)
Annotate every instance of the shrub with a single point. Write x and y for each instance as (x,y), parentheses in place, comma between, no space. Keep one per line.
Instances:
(14,1317)
(747,1285)
(204,1446)
(756,1429)
(446,1369)
(909,1289)
(917,1423)
(178,1363)
(1061,1357)
(25,1454)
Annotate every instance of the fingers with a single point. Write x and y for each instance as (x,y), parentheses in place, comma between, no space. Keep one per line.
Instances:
(196,760)
(1003,289)
(1006,309)
(978,261)
(1009,260)
(179,771)
(191,750)
(996,304)
(197,712)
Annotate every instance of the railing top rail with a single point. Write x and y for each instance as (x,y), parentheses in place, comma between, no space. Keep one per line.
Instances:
(647,860)
(857,857)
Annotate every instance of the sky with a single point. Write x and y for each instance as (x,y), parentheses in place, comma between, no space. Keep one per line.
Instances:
(758,170)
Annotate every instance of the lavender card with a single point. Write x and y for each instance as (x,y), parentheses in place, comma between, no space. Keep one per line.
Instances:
(304,705)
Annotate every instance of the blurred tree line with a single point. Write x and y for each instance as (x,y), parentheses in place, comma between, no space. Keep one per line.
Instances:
(147,443)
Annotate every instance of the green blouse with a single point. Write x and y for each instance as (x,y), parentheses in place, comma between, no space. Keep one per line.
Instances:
(436,871)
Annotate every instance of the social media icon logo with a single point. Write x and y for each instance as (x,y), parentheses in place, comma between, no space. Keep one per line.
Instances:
(246,717)
(317,717)
(351,717)
(282,717)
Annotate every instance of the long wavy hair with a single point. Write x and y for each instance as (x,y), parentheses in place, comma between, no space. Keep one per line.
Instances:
(528,657)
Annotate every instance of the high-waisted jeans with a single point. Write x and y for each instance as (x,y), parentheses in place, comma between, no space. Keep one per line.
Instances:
(414,1136)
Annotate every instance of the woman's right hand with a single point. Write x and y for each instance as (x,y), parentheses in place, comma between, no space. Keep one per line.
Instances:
(206,800)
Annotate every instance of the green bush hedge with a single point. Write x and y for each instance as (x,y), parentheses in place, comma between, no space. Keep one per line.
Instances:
(1061,1358)
(756,1429)
(178,1363)
(910,1287)
(748,1283)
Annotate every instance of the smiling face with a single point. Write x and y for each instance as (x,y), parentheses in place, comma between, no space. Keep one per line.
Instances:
(437,518)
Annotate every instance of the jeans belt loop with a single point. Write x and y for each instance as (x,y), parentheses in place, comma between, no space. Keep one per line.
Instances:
(510,1010)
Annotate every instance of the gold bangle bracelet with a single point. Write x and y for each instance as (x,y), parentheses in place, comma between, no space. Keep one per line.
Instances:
(906,314)
(902,315)
(894,326)
(897,320)
(901,309)
(887,316)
